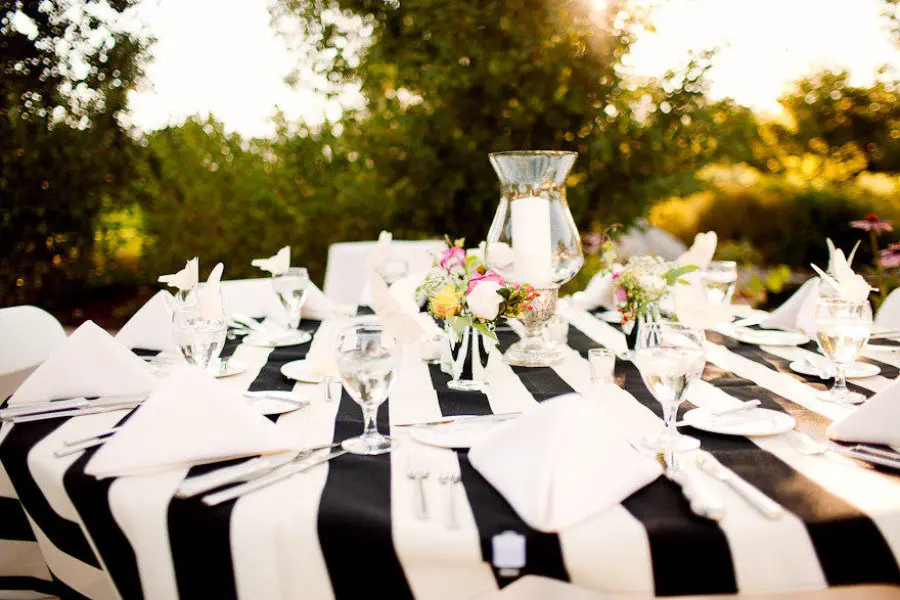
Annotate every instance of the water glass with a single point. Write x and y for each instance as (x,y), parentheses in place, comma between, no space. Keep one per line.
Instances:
(670,357)
(842,329)
(603,365)
(719,280)
(392,270)
(368,359)
(558,330)
(292,289)
(198,317)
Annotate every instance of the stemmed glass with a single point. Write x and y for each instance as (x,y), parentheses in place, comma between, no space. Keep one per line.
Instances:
(292,288)
(669,356)
(719,279)
(842,329)
(368,359)
(392,270)
(200,325)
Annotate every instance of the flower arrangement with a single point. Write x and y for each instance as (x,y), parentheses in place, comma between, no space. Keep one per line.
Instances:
(642,283)
(461,292)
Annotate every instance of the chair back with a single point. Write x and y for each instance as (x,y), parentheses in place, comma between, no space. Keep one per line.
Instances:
(29,336)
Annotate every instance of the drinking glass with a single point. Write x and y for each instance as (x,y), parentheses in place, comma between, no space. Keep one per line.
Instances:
(392,270)
(368,359)
(292,288)
(603,365)
(842,329)
(669,356)
(719,279)
(200,332)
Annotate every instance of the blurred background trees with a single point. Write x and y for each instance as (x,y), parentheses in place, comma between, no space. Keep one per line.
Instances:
(88,203)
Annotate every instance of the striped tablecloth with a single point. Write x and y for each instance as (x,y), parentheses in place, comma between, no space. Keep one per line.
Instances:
(348,528)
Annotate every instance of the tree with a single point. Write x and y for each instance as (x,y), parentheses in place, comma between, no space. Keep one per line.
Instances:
(447,83)
(66,67)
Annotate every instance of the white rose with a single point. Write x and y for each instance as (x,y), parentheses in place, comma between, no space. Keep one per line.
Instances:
(499,255)
(484,301)
(652,284)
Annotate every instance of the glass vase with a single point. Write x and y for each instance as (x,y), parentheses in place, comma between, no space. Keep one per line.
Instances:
(533,239)
(466,358)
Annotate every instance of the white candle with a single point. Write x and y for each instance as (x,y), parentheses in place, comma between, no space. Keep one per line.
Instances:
(531,241)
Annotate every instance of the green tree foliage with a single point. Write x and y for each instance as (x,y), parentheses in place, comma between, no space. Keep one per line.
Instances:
(65,69)
(447,83)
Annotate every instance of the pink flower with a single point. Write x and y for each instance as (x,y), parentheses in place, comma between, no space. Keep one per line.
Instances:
(592,243)
(871,222)
(621,296)
(489,276)
(890,257)
(453,257)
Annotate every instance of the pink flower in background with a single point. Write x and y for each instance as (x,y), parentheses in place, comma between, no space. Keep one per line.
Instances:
(592,243)
(489,276)
(872,222)
(890,256)
(621,296)
(453,257)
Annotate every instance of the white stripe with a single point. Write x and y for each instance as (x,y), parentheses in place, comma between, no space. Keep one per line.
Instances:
(438,562)
(22,559)
(81,577)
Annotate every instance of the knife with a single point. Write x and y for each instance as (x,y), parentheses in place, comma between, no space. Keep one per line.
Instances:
(755,498)
(465,419)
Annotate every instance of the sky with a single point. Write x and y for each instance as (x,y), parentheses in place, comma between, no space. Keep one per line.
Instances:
(233,64)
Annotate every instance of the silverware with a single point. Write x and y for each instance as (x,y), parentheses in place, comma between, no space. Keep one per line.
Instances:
(449,481)
(745,406)
(417,475)
(816,370)
(83,443)
(251,324)
(275,476)
(465,419)
(74,412)
(68,403)
(243,472)
(326,380)
(223,366)
(278,395)
(755,498)
(806,444)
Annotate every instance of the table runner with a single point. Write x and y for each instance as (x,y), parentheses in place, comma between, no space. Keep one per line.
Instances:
(345,529)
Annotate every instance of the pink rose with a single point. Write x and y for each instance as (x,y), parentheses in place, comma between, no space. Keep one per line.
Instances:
(621,296)
(489,276)
(453,257)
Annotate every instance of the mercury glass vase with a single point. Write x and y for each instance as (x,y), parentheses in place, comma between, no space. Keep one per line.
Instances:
(533,239)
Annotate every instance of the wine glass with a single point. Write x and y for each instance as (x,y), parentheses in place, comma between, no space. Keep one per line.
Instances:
(392,270)
(200,324)
(368,358)
(719,279)
(669,356)
(292,288)
(842,329)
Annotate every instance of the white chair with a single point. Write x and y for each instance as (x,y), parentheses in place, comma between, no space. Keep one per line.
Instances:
(29,335)
(346,273)
(250,297)
(652,241)
(888,315)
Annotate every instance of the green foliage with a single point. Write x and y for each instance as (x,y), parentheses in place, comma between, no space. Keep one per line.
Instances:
(63,153)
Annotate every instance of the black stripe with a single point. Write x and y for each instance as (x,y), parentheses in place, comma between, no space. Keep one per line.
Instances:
(354,521)
(541,382)
(453,402)
(199,535)
(64,534)
(13,523)
(30,584)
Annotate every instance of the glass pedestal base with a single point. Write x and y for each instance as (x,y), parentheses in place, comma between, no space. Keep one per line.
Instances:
(466,385)
(369,444)
(524,354)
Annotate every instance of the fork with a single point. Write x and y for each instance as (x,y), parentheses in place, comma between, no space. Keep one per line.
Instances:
(806,444)
(417,474)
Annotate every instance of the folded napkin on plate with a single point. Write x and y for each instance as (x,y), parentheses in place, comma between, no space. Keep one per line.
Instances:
(701,251)
(210,295)
(874,422)
(694,308)
(382,250)
(189,419)
(151,326)
(841,278)
(402,323)
(184,279)
(562,463)
(89,363)
(599,293)
(276,265)
(798,313)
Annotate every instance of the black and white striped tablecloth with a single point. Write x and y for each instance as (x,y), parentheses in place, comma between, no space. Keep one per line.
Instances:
(348,529)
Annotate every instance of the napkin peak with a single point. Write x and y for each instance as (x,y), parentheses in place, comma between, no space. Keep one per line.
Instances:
(701,251)
(874,422)
(276,265)
(151,326)
(184,279)
(402,324)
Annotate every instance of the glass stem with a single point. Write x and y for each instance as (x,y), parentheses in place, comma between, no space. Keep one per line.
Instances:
(370,414)
(669,413)
(840,380)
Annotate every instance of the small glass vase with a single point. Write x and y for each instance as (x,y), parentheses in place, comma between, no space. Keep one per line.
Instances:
(466,358)
(631,335)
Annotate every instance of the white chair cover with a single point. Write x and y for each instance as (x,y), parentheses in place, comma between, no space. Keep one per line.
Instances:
(888,315)
(250,297)
(346,273)
(29,335)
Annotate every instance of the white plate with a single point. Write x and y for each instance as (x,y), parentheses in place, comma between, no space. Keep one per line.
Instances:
(305,371)
(858,370)
(232,367)
(748,321)
(757,421)
(611,316)
(769,337)
(278,339)
(455,435)
(272,404)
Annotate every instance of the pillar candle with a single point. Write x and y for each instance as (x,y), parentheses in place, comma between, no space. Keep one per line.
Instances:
(531,241)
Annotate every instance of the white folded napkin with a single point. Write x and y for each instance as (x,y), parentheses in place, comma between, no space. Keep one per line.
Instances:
(184,279)
(89,363)
(276,265)
(399,322)
(190,419)
(694,308)
(701,251)
(874,422)
(851,286)
(210,295)
(562,463)
(798,313)
(381,251)
(151,326)
(597,294)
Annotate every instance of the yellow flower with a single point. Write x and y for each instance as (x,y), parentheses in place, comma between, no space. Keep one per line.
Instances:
(446,302)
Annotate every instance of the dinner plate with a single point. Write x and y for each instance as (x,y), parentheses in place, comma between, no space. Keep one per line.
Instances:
(769,337)
(455,435)
(858,370)
(232,367)
(305,371)
(273,402)
(278,339)
(610,316)
(757,421)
